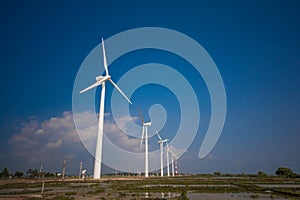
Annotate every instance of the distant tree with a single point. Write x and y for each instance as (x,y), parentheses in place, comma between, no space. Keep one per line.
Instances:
(217,173)
(18,174)
(5,173)
(285,172)
(32,173)
(261,174)
(48,174)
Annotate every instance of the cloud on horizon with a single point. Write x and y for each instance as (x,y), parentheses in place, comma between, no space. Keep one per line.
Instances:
(53,140)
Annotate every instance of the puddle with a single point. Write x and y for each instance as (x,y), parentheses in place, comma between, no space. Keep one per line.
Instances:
(228,185)
(162,185)
(232,196)
(279,185)
(15,190)
(182,186)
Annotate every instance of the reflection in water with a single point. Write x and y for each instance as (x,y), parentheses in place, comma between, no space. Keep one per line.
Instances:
(163,195)
(166,195)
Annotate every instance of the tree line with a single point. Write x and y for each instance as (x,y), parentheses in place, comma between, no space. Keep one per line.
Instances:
(31,173)
(5,174)
(34,173)
(281,172)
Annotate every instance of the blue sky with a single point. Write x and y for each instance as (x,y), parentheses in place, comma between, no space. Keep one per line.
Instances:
(255,45)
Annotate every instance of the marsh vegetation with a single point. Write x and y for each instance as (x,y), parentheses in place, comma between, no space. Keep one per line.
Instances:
(181,187)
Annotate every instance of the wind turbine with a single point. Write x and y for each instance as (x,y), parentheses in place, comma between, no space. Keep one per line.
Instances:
(168,168)
(101,80)
(161,145)
(145,131)
(172,160)
(176,166)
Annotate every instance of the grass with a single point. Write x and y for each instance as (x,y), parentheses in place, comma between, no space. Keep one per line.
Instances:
(63,198)
(135,188)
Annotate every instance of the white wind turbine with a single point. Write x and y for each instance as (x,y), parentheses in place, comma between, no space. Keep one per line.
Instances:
(168,168)
(145,131)
(161,145)
(100,80)
(173,161)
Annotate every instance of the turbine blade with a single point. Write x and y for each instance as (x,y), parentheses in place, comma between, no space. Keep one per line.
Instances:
(104,57)
(141,116)
(158,135)
(142,137)
(120,90)
(92,86)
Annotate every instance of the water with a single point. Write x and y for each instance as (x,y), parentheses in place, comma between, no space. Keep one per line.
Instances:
(163,195)
(162,185)
(224,185)
(182,186)
(279,185)
(232,196)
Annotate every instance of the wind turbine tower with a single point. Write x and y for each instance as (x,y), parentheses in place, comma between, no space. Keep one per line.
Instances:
(145,132)
(168,168)
(161,145)
(176,167)
(101,80)
(172,160)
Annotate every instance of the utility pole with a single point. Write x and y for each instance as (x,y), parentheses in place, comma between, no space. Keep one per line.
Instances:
(80,169)
(41,168)
(43,186)
(64,169)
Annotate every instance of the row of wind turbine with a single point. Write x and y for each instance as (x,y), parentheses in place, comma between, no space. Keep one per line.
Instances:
(101,80)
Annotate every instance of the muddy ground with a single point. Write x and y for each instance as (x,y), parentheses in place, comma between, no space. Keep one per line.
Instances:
(182,187)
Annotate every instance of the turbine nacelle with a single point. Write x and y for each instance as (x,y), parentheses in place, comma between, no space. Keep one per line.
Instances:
(99,78)
(162,141)
(147,124)
(102,78)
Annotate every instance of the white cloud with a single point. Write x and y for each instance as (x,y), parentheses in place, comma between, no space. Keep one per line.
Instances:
(88,128)
(211,156)
(39,131)
(48,141)
(56,139)
(56,144)
(114,133)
